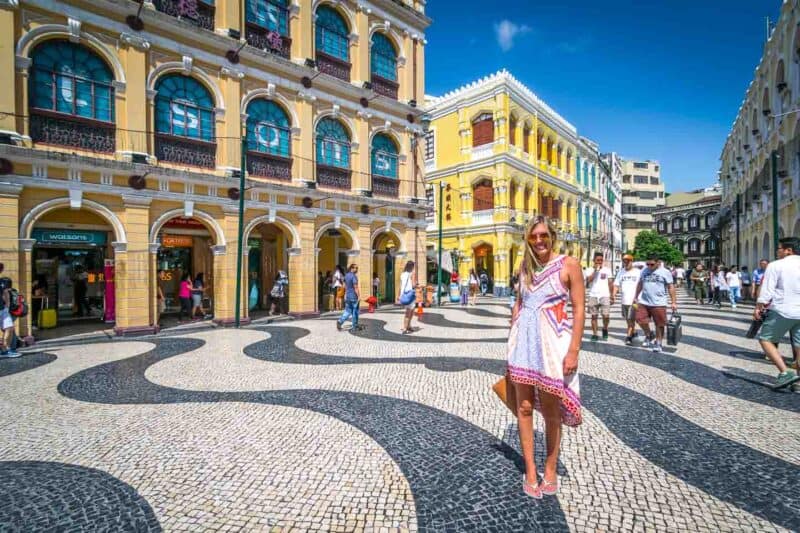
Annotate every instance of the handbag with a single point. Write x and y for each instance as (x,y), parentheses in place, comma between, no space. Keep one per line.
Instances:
(505,390)
(674,329)
(407,296)
(755,325)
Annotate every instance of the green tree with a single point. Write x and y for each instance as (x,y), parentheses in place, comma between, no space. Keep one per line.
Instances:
(649,243)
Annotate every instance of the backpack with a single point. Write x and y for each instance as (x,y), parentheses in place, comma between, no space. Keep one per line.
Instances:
(17,306)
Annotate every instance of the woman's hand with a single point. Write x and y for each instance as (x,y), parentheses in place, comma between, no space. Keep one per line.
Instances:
(571,362)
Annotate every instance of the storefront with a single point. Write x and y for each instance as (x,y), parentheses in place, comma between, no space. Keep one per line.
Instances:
(185,249)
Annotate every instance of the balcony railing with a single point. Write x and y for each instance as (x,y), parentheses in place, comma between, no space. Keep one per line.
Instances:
(333,177)
(76,132)
(270,41)
(197,12)
(334,66)
(485,216)
(384,186)
(269,166)
(184,151)
(384,87)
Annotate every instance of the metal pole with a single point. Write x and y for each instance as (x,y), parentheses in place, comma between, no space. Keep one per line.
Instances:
(774,201)
(439,266)
(240,244)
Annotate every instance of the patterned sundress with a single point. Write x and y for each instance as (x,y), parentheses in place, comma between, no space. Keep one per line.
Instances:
(539,341)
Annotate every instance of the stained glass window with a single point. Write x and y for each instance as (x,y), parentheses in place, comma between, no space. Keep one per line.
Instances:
(184,108)
(268,128)
(70,78)
(384,156)
(273,15)
(333,143)
(383,57)
(332,34)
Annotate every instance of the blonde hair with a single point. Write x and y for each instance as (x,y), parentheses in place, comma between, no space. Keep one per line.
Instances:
(529,261)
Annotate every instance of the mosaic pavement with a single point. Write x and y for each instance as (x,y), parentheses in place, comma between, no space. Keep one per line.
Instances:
(296,426)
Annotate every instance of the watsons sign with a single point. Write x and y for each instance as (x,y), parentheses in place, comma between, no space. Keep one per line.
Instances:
(54,236)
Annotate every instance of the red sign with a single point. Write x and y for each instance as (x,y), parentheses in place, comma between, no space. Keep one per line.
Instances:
(185,223)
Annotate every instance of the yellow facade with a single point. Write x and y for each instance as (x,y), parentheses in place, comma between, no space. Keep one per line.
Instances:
(122,179)
(530,164)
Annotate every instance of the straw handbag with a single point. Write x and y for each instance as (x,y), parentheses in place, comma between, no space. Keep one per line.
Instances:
(504,388)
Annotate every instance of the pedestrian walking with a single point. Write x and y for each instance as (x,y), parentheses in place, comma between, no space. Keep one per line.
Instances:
(600,282)
(406,285)
(734,280)
(198,291)
(376,284)
(278,293)
(651,302)
(185,296)
(625,284)
(758,277)
(680,275)
(747,283)
(8,349)
(716,287)
(543,348)
(473,286)
(700,282)
(352,295)
(484,277)
(338,288)
(780,293)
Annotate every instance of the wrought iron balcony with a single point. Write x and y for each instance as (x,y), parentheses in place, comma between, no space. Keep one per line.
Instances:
(333,177)
(333,65)
(48,127)
(384,186)
(271,41)
(193,152)
(197,12)
(384,87)
(269,166)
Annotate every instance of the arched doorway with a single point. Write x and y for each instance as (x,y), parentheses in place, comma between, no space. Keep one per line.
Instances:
(483,260)
(72,268)
(267,254)
(386,252)
(335,247)
(765,253)
(185,247)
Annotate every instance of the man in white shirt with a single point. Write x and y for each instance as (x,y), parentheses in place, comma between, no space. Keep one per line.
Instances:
(780,290)
(734,281)
(680,275)
(600,282)
(626,281)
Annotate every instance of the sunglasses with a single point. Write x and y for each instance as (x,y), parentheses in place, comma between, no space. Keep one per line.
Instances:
(651,264)
(539,237)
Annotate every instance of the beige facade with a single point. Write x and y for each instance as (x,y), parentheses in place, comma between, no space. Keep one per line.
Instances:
(642,193)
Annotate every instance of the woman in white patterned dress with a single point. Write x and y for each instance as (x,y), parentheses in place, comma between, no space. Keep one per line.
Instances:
(543,347)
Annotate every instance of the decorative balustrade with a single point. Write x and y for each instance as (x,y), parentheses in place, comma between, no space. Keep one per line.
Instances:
(76,132)
(269,166)
(186,151)
(333,177)
(384,186)
(197,12)
(485,216)
(384,87)
(334,66)
(270,41)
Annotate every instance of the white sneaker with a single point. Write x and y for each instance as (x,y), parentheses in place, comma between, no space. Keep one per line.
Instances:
(657,347)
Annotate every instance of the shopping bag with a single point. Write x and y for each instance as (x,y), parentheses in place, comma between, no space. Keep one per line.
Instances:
(674,329)
(505,390)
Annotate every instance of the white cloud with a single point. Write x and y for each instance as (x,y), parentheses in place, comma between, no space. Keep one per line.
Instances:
(505,32)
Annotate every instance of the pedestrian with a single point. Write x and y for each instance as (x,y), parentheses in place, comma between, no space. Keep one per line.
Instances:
(277,294)
(543,348)
(407,284)
(338,288)
(714,282)
(185,296)
(780,291)
(376,284)
(689,282)
(352,295)
(600,282)
(758,276)
(680,275)
(39,291)
(161,302)
(8,349)
(484,277)
(722,285)
(80,289)
(699,280)
(651,302)
(473,286)
(747,283)
(625,283)
(198,291)
(734,281)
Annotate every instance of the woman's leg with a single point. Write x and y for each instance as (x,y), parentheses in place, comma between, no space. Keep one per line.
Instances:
(525,422)
(407,319)
(551,411)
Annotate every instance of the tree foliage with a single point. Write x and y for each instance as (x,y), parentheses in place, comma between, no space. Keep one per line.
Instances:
(650,243)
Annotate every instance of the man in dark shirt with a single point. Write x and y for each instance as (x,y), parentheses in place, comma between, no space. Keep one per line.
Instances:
(351,297)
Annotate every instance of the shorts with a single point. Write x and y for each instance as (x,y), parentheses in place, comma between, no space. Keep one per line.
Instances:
(599,306)
(6,320)
(628,312)
(197,299)
(645,312)
(775,326)
(473,289)
(340,292)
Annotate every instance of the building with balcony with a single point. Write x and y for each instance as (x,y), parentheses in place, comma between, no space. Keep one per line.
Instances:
(124,128)
(760,161)
(498,154)
(688,221)
(642,193)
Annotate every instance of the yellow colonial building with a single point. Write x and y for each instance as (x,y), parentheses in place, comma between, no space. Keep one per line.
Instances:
(124,126)
(499,155)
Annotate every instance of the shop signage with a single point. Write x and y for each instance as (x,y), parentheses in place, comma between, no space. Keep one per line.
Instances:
(185,223)
(59,236)
(176,241)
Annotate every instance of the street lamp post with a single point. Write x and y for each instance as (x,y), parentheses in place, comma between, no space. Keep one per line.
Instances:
(439,266)
(775,226)
(240,233)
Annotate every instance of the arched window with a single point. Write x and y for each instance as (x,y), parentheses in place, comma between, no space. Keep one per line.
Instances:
(539,148)
(711,245)
(694,246)
(678,245)
(383,57)
(70,88)
(332,34)
(184,108)
(694,222)
(512,130)
(662,226)
(384,156)
(677,224)
(268,25)
(482,129)
(710,218)
(268,128)
(526,133)
(482,196)
(333,143)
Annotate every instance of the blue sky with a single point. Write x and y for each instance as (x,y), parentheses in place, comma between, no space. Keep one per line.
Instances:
(661,79)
